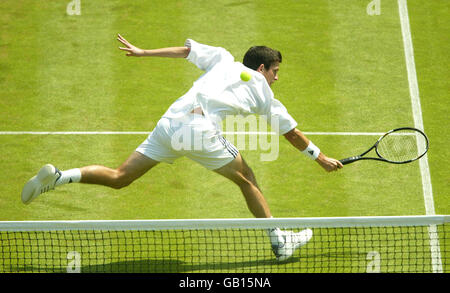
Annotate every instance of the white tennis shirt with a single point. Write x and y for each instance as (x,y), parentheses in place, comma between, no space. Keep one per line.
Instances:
(221,92)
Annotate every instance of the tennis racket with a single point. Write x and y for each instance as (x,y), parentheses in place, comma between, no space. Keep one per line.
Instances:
(398,146)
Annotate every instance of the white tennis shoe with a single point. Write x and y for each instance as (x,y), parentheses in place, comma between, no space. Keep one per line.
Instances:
(285,249)
(44,181)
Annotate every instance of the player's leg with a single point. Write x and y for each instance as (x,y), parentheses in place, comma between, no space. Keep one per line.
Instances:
(240,173)
(134,167)
(284,243)
(50,177)
(218,154)
(152,151)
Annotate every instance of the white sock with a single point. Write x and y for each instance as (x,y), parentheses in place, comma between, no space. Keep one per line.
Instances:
(69,176)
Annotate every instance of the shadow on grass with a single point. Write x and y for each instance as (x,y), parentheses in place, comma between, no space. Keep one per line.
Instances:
(163,266)
(342,261)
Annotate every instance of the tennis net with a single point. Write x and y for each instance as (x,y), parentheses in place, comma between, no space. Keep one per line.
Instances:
(339,245)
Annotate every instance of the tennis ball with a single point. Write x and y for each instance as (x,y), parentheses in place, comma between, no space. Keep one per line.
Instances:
(245,76)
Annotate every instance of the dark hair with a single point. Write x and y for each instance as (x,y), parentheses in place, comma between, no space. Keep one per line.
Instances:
(258,55)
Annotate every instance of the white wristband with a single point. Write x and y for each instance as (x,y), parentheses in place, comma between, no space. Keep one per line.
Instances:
(312,151)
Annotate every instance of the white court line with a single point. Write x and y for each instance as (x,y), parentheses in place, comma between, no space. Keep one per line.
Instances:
(415,101)
(148,132)
(346,133)
(418,122)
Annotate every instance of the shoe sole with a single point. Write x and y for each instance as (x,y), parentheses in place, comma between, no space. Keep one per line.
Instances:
(32,189)
(309,235)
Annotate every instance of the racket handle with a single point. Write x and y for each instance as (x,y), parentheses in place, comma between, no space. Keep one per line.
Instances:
(349,160)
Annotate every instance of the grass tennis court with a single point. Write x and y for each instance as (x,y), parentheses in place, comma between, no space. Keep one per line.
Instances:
(342,71)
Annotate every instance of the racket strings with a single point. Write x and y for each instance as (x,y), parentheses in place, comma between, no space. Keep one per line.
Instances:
(401,146)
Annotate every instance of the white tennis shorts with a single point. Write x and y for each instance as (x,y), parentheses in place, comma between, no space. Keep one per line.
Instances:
(194,137)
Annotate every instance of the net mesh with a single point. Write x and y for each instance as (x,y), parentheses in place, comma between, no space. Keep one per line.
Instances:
(402,145)
(418,248)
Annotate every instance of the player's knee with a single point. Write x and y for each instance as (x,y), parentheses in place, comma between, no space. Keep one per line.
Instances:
(247,173)
(244,181)
(121,180)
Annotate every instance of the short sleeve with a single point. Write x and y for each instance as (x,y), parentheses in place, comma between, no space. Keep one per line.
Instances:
(272,110)
(280,120)
(206,57)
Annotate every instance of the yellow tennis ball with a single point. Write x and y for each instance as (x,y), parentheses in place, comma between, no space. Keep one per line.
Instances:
(245,76)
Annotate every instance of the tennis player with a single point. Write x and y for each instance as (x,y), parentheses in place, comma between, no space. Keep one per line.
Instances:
(219,92)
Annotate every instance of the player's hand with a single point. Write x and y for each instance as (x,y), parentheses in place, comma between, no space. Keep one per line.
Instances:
(130,49)
(329,164)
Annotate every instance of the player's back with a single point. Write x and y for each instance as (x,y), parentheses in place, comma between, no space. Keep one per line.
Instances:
(221,92)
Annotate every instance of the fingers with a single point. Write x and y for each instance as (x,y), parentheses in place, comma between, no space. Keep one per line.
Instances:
(132,50)
(120,38)
(330,164)
(335,165)
(123,41)
(129,51)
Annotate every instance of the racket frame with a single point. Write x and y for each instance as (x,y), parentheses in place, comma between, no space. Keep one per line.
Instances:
(380,158)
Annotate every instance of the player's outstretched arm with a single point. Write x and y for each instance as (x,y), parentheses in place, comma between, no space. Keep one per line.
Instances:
(301,142)
(171,52)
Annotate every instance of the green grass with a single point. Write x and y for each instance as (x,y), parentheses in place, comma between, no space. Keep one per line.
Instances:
(342,71)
